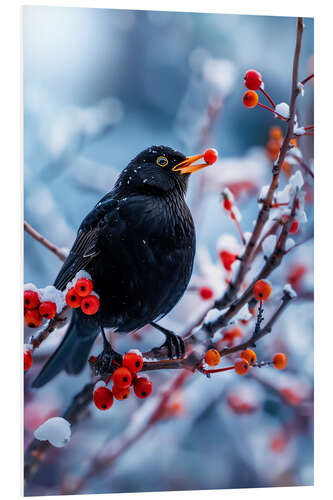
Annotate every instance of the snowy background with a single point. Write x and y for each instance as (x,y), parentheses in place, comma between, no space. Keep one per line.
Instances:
(100,86)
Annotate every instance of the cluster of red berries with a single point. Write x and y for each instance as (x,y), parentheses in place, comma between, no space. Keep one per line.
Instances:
(79,293)
(123,378)
(41,303)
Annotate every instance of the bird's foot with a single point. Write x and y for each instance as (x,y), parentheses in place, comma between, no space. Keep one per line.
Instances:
(174,344)
(107,361)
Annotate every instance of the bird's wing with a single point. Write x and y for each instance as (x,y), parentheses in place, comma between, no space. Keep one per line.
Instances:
(85,247)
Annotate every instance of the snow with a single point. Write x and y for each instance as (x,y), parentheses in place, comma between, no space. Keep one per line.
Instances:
(297,180)
(284,195)
(52,294)
(228,194)
(136,351)
(82,274)
(99,384)
(237,213)
(56,430)
(283,109)
(220,73)
(300,87)
(263,192)
(299,130)
(289,289)
(31,287)
(292,155)
(269,245)
(289,244)
(301,216)
(229,243)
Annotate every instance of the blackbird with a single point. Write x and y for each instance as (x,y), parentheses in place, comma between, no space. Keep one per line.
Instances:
(138,244)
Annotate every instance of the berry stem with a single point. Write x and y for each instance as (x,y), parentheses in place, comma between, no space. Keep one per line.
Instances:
(309,127)
(267,96)
(233,216)
(203,370)
(307,79)
(272,111)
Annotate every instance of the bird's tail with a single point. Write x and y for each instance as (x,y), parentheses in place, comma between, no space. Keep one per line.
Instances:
(71,354)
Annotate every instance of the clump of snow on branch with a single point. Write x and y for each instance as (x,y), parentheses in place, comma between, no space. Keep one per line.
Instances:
(56,430)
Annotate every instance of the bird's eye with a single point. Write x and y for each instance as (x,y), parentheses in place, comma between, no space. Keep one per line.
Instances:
(162,161)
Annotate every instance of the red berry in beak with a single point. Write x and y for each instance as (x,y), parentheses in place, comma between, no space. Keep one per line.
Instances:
(133,362)
(32,318)
(73,300)
(103,398)
(250,99)
(122,378)
(47,310)
(83,287)
(253,79)
(210,156)
(90,304)
(31,299)
(143,387)
(27,360)
(206,293)
(121,393)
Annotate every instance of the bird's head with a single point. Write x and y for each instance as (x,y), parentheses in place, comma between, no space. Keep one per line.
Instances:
(161,169)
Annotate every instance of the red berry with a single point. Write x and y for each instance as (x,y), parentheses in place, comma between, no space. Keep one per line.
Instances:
(31,299)
(262,290)
(27,359)
(73,300)
(47,310)
(241,366)
(83,287)
(32,318)
(206,293)
(90,304)
(227,204)
(227,259)
(92,359)
(296,274)
(103,398)
(143,387)
(121,393)
(210,156)
(133,362)
(122,377)
(250,99)
(252,79)
(294,227)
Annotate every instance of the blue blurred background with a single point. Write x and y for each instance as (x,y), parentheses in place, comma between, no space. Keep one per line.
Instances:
(100,86)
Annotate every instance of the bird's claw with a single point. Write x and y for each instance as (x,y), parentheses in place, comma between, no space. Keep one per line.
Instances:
(175,346)
(107,361)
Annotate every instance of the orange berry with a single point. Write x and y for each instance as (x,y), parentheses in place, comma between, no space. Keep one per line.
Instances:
(230,334)
(249,355)
(27,359)
(32,318)
(250,99)
(262,290)
(90,304)
(143,387)
(279,361)
(73,300)
(133,361)
(121,392)
(275,132)
(47,310)
(103,398)
(122,378)
(212,357)
(241,366)
(83,287)
(273,148)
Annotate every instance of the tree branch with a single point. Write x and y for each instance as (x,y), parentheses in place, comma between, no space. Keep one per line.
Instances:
(43,241)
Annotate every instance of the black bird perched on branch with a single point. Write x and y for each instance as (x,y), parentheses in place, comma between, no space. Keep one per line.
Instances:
(138,245)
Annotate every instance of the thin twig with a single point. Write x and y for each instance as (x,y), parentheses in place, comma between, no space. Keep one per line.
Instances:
(263,215)
(46,243)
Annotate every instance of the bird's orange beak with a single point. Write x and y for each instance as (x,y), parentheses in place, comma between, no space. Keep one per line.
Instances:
(189,166)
